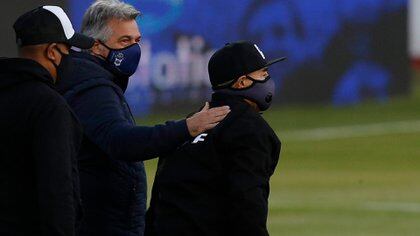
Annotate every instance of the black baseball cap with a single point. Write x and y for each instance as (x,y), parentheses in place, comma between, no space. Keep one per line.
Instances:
(48,24)
(235,60)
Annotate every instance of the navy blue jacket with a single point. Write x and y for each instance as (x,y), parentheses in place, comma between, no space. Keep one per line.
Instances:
(112,175)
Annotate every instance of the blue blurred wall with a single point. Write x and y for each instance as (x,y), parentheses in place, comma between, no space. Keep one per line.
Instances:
(340,52)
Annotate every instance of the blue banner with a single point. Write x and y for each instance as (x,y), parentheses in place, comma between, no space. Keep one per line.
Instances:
(339,52)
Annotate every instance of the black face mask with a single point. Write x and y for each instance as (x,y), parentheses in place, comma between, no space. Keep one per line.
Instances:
(261,92)
(65,67)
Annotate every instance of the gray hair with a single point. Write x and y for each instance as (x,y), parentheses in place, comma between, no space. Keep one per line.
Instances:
(100,12)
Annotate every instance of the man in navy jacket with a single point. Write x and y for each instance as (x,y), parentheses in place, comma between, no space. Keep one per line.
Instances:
(112,175)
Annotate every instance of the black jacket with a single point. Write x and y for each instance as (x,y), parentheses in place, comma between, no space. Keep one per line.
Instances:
(112,175)
(217,183)
(39,141)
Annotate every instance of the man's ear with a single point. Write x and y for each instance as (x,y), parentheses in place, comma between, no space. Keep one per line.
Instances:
(51,52)
(96,48)
(99,50)
(240,83)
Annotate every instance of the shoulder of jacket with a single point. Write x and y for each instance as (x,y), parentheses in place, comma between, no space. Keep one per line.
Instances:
(90,69)
(90,84)
(242,124)
(43,98)
(40,92)
(249,120)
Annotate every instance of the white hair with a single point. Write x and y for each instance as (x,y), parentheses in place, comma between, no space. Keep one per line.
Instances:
(96,18)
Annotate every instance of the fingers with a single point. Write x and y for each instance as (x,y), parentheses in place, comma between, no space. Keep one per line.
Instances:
(219,111)
(214,119)
(219,118)
(211,126)
(223,108)
(222,115)
(217,114)
(206,119)
(206,107)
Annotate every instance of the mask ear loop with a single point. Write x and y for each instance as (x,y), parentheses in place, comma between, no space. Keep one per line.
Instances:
(225,84)
(61,54)
(52,62)
(111,49)
(99,55)
(254,82)
(116,49)
(103,44)
(258,81)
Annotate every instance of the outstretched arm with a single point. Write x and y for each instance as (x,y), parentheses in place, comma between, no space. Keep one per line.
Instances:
(103,118)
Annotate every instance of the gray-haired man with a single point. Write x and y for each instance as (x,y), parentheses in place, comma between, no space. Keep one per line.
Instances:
(112,176)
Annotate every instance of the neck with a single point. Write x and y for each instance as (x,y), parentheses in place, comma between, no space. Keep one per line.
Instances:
(252,104)
(42,62)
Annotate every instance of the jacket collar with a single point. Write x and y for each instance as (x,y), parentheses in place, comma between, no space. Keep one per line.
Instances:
(121,82)
(22,70)
(234,102)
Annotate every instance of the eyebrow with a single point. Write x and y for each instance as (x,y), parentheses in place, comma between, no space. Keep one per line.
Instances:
(125,37)
(128,37)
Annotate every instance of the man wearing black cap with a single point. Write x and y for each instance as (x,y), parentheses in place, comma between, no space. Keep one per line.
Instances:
(218,182)
(40,136)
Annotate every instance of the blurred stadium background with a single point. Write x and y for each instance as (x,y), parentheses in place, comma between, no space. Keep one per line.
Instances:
(347,104)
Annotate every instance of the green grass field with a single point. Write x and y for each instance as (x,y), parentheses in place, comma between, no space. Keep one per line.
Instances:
(360,176)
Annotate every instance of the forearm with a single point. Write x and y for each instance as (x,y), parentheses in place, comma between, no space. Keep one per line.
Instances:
(138,143)
(105,124)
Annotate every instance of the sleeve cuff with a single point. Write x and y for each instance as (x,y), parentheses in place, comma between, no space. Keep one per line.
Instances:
(181,130)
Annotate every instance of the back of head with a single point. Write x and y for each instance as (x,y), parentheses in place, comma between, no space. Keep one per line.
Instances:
(32,51)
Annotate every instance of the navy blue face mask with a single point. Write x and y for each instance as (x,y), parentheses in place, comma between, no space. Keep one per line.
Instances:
(124,61)
(261,92)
